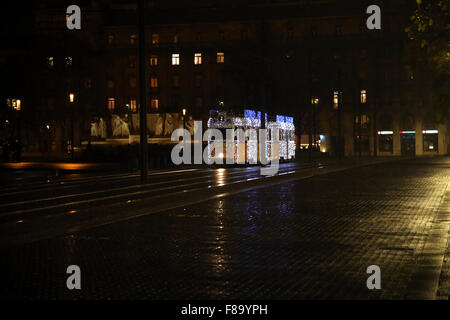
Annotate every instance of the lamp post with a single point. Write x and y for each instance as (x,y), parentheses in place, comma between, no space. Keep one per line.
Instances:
(19,141)
(184,118)
(18,109)
(72,99)
(339,115)
(142,91)
(314,103)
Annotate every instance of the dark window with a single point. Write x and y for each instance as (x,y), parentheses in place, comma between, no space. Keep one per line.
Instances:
(198,80)
(88,83)
(363,142)
(290,33)
(386,143)
(132,61)
(176,81)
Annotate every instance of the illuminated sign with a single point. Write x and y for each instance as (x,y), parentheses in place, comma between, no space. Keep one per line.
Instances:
(408,132)
(430,131)
(383,133)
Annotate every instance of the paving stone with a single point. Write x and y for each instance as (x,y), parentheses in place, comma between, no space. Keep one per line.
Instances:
(309,239)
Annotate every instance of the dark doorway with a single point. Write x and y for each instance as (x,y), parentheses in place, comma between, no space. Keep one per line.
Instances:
(408,144)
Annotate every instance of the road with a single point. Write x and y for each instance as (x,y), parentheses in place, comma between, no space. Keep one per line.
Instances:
(34,208)
(308,232)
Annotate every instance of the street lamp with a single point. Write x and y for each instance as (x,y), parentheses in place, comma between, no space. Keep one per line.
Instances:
(18,107)
(72,99)
(184,118)
(314,103)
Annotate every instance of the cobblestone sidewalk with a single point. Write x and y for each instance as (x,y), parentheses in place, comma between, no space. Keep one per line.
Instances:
(308,239)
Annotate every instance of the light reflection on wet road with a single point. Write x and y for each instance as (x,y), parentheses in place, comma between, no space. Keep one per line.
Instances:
(309,238)
(65,203)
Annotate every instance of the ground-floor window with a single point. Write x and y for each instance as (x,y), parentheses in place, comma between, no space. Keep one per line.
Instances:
(430,142)
(362,142)
(386,143)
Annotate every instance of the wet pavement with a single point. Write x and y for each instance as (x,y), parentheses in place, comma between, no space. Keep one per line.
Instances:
(311,234)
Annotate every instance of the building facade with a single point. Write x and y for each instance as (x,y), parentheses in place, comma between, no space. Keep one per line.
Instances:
(354,91)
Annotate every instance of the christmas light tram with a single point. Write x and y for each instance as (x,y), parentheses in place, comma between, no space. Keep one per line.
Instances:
(244,147)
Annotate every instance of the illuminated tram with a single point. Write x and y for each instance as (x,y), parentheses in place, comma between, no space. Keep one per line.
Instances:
(243,147)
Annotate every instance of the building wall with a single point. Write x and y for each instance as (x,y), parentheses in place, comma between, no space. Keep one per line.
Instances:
(277,56)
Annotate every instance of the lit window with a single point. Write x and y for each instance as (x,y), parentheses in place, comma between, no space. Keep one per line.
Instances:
(154,104)
(314,100)
(110,39)
(176,38)
(50,62)
(68,61)
(155,38)
(363,96)
(111,104)
(154,82)
(335,99)
(18,105)
(133,105)
(364,120)
(175,59)
(133,38)
(154,60)
(133,82)
(110,84)
(220,57)
(198,58)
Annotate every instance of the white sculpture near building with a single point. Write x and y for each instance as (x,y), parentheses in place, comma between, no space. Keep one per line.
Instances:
(120,127)
(102,128)
(168,128)
(94,129)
